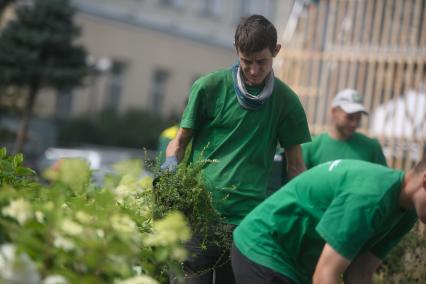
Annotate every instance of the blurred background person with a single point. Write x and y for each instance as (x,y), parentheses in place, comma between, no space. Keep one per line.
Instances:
(342,141)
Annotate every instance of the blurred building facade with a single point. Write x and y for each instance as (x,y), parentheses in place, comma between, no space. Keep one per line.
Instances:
(376,47)
(146,54)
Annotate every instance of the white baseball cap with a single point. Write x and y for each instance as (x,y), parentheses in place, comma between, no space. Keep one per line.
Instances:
(350,101)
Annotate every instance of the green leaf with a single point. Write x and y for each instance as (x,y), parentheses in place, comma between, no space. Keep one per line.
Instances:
(25,171)
(3,152)
(17,159)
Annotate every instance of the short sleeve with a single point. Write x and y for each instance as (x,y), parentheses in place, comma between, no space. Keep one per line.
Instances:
(294,128)
(193,113)
(348,223)
(395,235)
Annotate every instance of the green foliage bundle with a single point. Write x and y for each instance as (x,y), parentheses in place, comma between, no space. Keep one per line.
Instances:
(185,191)
(72,231)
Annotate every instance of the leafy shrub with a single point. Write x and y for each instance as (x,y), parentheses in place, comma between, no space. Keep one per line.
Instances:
(12,172)
(75,232)
(185,192)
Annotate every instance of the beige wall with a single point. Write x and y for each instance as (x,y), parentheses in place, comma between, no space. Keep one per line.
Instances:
(144,51)
(145,46)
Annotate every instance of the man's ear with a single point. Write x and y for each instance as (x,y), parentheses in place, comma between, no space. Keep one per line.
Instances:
(276,50)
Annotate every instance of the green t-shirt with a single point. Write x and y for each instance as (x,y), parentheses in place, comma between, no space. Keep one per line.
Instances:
(323,148)
(242,142)
(352,205)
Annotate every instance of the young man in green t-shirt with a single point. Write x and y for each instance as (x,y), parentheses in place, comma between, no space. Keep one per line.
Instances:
(342,141)
(236,116)
(339,218)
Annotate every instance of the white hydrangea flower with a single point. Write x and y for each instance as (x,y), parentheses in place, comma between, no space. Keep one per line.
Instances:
(71,228)
(122,191)
(16,268)
(141,279)
(124,224)
(83,217)
(179,253)
(63,243)
(19,209)
(55,279)
(49,206)
(145,212)
(100,233)
(170,230)
(39,216)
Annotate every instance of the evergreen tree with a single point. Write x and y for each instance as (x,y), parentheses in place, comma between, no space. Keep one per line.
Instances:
(4,4)
(37,50)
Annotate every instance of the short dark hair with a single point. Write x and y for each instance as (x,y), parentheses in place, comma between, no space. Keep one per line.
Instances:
(255,33)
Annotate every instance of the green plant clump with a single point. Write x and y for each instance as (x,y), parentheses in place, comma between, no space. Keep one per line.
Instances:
(185,191)
(72,231)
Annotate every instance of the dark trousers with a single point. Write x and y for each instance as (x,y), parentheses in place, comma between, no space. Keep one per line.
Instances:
(208,265)
(248,272)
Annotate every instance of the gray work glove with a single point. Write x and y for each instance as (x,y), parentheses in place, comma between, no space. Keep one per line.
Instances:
(170,164)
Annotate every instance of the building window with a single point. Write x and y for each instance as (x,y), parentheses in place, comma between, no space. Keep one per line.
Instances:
(246,7)
(159,88)
(212,8)
(115,86)
(173,3)
(63,103)
(249,7)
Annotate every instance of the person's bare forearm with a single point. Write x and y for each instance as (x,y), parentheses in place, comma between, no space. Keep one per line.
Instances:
(330,267)
(362,269)
(367,279)
(178,145)
(295,169)
(325,278)
(295,164)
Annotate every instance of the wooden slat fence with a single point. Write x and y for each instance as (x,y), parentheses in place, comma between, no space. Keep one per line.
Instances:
(376,47)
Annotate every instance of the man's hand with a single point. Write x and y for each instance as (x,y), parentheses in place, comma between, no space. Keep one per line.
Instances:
(170,164)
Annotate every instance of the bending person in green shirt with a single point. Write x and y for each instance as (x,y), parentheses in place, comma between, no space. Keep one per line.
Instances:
(342,141)
(236,116)
(339,218)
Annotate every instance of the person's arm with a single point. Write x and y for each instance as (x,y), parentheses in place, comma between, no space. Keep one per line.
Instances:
(177,146)
(330,267)
(295,164)
(361,270)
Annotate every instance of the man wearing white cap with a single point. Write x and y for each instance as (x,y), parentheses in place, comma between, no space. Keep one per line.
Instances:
(342,141)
